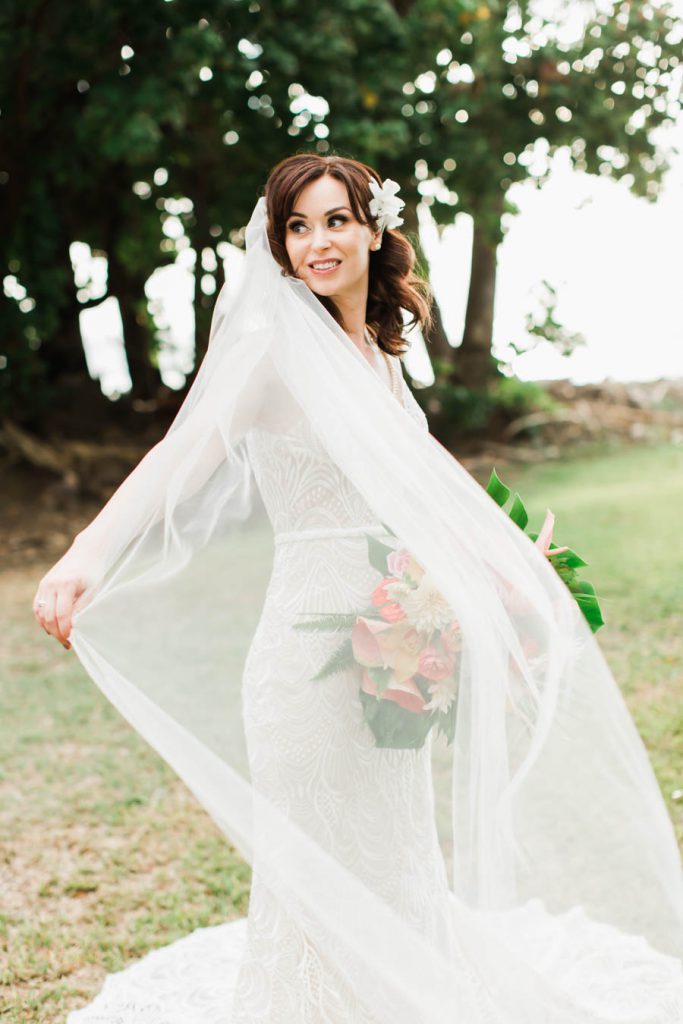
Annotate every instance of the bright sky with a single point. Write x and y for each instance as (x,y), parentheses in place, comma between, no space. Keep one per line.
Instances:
(613,259)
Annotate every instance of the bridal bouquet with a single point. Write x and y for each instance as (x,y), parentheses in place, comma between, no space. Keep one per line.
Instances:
(408,643)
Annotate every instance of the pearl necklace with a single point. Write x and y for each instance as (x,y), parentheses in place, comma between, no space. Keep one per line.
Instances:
(393,375)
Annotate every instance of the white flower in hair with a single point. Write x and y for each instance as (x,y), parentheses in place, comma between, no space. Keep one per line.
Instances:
(386,205)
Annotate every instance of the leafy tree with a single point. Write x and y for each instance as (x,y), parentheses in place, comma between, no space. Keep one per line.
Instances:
(502,89)
(121,120)
(144,112)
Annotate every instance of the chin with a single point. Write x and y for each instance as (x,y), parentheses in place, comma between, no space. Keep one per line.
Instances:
(322,287)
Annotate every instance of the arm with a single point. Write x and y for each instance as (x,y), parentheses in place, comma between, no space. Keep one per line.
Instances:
(184,459)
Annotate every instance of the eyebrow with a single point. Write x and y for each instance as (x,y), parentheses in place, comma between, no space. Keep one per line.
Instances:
(334,210)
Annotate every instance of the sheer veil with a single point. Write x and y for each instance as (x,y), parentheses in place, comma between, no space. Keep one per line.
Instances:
(545,803)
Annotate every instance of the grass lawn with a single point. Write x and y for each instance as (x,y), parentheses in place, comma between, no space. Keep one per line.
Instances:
(620,510)
(106,855)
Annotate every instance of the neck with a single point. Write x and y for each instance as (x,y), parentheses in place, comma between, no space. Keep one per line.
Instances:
(353,315)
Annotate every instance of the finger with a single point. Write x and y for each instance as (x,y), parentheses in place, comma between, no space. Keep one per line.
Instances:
(50,614)
(82,601)
(63,606)
(39,605)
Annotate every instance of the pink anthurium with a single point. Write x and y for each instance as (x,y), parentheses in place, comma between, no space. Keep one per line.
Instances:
(545,537)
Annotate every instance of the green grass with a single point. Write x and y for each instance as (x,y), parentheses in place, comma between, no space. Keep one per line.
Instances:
(105,854)
(620,510)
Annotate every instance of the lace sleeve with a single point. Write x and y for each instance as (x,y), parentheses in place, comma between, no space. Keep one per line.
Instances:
(409,402)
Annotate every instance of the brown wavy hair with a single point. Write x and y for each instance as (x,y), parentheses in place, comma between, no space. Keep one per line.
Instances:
(392,286)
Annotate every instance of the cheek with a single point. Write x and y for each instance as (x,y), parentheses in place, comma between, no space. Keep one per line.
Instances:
(291,247)
(360,256)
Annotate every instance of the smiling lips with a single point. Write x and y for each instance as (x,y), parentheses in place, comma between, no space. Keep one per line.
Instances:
(324,266)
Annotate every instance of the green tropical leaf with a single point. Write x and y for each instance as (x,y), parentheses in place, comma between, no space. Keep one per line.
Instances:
(497,489)
(377,553)
(392,726)
(568,558)
(518,513)
(380,677)
(590,608)
(565,564)
(583,587)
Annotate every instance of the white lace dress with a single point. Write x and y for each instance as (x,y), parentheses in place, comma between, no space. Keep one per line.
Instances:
(314,756)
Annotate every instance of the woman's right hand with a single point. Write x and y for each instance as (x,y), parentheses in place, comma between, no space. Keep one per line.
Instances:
(57,595)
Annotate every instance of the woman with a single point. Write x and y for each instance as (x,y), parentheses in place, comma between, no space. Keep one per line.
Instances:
(289,648)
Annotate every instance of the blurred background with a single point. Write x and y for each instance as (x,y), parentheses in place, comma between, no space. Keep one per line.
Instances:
(535,145)
(539,149)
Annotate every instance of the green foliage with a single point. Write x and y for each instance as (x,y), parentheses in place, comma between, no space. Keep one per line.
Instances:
(497,490)
(326,621)
(341,660)
(497,89)
(474,411)
(393,726)
(22,373)
(548,328)
(140,106)
(565,562)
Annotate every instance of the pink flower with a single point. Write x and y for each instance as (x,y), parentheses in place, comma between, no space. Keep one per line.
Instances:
(545,537)
(379,595)
(398,561)
(364,641)
(406,693)
(392,612)
(433,666)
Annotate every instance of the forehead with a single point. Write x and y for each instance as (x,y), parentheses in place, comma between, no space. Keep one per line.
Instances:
(321,195)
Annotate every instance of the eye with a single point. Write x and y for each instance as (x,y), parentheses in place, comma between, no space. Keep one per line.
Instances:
(293,225)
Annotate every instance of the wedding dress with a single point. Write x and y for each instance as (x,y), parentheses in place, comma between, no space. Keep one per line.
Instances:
(316,760)
(368,904)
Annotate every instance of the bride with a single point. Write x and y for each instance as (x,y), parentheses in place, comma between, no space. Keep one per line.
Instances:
(373,681)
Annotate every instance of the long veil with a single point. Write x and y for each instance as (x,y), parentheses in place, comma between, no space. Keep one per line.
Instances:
(545,803)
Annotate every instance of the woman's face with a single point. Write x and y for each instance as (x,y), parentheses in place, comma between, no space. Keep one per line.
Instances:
(322,230)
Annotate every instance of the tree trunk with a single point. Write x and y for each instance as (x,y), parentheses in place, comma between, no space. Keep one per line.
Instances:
(130,291)
(203,308)
(436,340)
(144,376)
(475,365)
(63,354)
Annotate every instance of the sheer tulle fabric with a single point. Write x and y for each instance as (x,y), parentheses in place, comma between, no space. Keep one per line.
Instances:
(529,871)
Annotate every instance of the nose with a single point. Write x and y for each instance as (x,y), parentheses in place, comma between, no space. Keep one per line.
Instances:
(319,239)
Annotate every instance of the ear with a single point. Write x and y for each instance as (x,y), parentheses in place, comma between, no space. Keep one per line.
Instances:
(376,242)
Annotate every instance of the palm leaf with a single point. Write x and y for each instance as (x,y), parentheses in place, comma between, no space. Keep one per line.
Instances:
(327,621)
(341,660)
